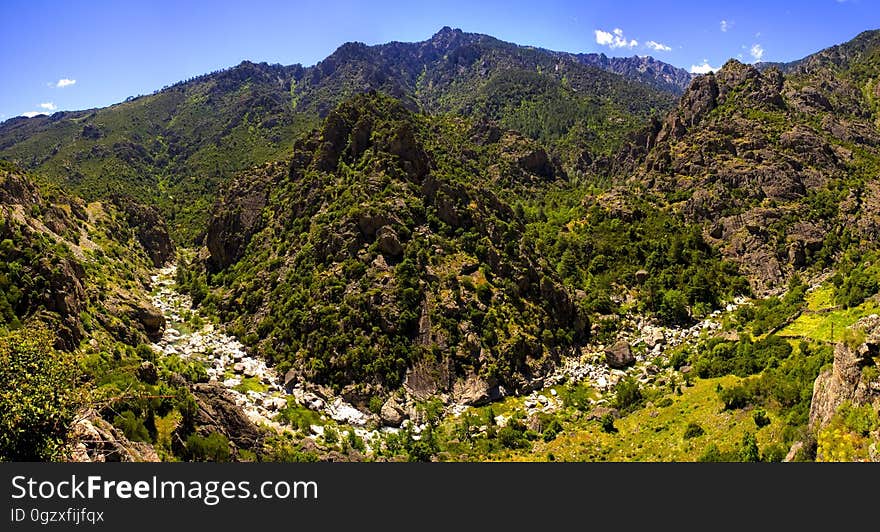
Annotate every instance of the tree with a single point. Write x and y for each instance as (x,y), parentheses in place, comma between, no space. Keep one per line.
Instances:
(568,266)
(39,396)
(748,451)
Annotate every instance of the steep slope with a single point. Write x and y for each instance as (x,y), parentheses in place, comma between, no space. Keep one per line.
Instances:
(781,170)
(546,95)
(73,290)
(382,255)
(60,256)
(170,148)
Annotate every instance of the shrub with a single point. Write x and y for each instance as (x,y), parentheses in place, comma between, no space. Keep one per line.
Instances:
(552,430)
(774,453)
(761,418)
(735,397)
(607,422)
(748,451)
(330,435)
(628,394)
(693,430)
(211,448)
(376,403)
(713,454)
(132,426)
(38,396)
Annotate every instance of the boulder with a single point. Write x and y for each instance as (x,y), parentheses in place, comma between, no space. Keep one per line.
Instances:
(392,413)
(619,355)
(389,244)
(151,319)
(654,338)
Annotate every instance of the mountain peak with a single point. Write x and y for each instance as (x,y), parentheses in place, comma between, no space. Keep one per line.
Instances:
(446,31)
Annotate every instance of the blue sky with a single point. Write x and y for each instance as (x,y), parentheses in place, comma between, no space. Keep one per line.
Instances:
(65,55)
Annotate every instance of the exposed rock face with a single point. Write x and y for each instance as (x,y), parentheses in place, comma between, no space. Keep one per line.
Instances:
(149,227)
(95,440)
(845,381)
(474,390)
(619,355)
(218,412)
(745,163)
(237,214)
(645,69)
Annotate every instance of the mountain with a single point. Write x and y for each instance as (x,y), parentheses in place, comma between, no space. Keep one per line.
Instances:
(171,148)
(780,169)
(174,147)
(645,69)
(497,251)
(395,257)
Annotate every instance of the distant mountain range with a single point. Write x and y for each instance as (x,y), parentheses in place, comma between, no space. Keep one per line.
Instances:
(182,141)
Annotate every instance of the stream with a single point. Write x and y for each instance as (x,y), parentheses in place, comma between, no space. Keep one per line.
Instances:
(257,388)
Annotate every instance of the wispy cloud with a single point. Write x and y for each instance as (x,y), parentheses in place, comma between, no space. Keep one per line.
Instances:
(614,39)
(724,25)
(49,106)
(64,82)
(705,68)
(658,46)
(757,52)
(31,114)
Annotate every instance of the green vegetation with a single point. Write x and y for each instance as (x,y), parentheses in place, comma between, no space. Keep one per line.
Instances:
(530,209)
(211,448)
(39,396)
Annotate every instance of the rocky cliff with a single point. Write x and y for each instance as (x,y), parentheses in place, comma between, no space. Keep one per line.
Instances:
(778,168)
(852,378)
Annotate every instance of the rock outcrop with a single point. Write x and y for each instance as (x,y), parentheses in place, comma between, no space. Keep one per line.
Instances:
(845,381)
(739,158)
(217,412)
(149,227)
(92,439)
(237,215)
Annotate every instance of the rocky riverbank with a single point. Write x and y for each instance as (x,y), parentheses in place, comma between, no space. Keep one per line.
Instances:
(256,387)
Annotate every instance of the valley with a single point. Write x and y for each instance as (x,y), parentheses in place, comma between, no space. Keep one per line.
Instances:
(459,249)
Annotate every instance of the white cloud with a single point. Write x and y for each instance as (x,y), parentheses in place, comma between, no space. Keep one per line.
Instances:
(724,25)
(757,52)
(64,82)
(49,106)
(615,39)
(604,38)
(705,68)
(658,46)
(31,114)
